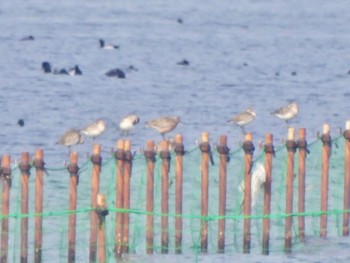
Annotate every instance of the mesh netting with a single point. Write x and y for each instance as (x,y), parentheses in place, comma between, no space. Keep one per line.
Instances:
(56,199)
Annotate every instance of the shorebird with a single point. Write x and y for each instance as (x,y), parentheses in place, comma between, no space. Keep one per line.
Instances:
(164,124)
(94,129)
(71,137)
(102,45)
(243,118)
(128,122)
(288,112)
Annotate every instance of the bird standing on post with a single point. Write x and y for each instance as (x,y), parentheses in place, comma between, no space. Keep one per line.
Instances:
(128,122)
(94,129)
(244,118)
(70,138)
(164,124)
(288,112)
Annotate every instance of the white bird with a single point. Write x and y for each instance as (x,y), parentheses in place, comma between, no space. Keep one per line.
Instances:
(258,179)
(128,123)
(104,46)
(70,138)
(244,118)
(288,112)
(164,124)
(94,129)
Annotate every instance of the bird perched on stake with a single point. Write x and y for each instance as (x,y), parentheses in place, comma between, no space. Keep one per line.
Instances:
(70,138)
(288,112)
(128,122)
(94,129)
(164,124)
(244,118)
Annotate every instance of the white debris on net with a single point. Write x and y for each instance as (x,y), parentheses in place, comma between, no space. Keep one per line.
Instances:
(258,179)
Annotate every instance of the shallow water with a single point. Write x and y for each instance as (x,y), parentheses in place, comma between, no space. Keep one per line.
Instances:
(250,53)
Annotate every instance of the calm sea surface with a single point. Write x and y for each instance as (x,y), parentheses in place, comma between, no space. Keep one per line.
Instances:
(262,54)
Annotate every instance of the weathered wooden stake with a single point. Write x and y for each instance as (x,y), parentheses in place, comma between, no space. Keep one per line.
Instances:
(165,155)
(248,148)
(74,179)
(102,212)
(120,157)
(39,187)
(150,159)
(5,205)
(302,146)
(346,179)
(205,149)
(25,172)
(223,152)
(326,152)
(126,194)
(96,160)
(269,153)
(179,151)
(291,146)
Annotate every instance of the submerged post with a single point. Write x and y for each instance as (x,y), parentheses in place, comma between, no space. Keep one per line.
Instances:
(248,148)
(150,159)
(223,156)
(5,205)
(101,212)
(269,153)
(346,179)
(39,186)
(302,146)
(165,155)
(25,173)
(291,146)
(96,160)
(326,152)
(73,182)
(120,157)
(179,151)
(126,194)
(205,149)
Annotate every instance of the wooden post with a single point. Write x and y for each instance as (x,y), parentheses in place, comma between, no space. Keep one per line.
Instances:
(120,157)
(248,148)
(126,194)
(223,152)
(269,153)
(74,178)
(205,149)
(302,146)
(291,148)
(96,160)
(150,159)
(179,151)
(5,205)
(165,155)
(346,179)
(39,189)
(326,152)
(102,212)
(25,172)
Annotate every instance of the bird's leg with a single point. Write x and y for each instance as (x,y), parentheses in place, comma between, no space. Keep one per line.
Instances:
(163,135)
(242,129)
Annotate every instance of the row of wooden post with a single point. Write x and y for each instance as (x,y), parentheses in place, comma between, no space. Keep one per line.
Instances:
(123,174)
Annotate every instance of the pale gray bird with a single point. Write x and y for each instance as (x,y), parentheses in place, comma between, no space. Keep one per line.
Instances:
(164,124)
(244,118)
(70,138)
(94,129)
(128,123)
(288,112)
